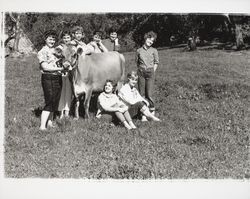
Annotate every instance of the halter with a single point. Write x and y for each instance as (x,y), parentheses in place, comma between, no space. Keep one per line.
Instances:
(74,65)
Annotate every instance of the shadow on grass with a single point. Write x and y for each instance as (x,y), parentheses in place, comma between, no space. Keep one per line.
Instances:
(92,109)
(37,111)
(92,106)
(195,141)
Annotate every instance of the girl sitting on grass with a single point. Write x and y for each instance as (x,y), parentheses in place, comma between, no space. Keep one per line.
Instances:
(109,103)
(132,98)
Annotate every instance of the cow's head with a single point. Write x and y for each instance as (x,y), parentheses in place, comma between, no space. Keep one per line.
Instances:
(69,55)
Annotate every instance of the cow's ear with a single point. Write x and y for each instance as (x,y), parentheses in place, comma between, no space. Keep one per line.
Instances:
(79,51)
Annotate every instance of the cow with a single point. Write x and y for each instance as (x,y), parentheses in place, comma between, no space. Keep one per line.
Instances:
(89,72)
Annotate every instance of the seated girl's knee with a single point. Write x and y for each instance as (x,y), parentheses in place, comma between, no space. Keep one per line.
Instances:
(143,108)
(140,104)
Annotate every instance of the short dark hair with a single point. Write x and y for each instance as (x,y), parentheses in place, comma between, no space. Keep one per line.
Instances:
(50,33)
(111,30)
(77,28)
(132,74)
(150,34)
(112,83)
(97,32)
(65,32)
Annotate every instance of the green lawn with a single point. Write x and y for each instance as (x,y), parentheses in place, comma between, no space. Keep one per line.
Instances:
(203,98)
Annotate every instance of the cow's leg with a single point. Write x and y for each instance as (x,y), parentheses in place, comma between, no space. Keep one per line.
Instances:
(119,85)
(123,74)
(77,104)
(87,102)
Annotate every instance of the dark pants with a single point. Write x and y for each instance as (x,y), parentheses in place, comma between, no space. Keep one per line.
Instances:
(146,85)
(52,86)
(135,109)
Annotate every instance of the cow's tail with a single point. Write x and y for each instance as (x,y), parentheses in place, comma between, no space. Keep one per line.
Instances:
(123,75)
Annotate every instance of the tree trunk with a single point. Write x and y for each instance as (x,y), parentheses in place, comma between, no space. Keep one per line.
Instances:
(239,37)
(17,34)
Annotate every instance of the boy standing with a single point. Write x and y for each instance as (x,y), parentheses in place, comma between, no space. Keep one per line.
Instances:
(112,43)
(147,61)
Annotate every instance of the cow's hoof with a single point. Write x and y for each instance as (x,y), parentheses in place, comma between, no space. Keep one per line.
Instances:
(76,118)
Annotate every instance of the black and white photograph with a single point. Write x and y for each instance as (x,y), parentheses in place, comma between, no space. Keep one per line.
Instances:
(126,96)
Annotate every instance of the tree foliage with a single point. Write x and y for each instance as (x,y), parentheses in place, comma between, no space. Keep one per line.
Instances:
(132,26)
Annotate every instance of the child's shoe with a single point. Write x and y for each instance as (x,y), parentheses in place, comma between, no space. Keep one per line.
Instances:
(50,124)
(125,123)
(42,129)
(144,118)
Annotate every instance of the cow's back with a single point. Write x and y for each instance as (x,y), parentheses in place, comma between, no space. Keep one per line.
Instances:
(93,70)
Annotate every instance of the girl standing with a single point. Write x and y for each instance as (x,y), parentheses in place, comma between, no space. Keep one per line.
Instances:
(66,94)
(51,79)
(147,61)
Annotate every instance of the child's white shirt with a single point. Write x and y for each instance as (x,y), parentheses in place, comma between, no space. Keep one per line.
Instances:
(46,54)
(130,95)
(106,101)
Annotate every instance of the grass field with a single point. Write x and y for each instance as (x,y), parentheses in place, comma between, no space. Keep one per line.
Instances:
(203,98)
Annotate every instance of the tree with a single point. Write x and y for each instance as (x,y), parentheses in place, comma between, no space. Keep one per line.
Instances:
(17,42)
(238,23)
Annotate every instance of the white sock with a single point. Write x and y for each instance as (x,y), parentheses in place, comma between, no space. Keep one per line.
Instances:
(132,125)
(144,118)
(125,123)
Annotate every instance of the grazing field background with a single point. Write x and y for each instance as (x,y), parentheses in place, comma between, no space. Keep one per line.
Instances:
(202,97)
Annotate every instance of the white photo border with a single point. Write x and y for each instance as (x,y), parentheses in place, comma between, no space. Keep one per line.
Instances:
(73,188)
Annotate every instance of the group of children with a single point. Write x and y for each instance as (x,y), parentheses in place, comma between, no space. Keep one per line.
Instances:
(57,87)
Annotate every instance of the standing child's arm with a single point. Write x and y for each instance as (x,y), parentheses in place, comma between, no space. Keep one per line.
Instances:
(156,59)
(137,58)
(91,46)
(103,48)
(117,45)
(50,67)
